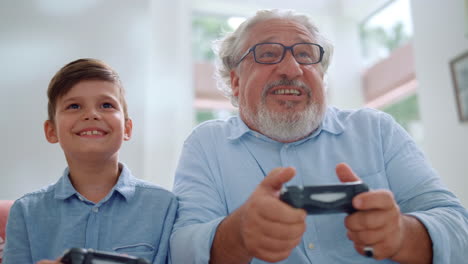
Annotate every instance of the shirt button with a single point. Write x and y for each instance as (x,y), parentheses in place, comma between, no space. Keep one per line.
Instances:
(96,209)
(311,246)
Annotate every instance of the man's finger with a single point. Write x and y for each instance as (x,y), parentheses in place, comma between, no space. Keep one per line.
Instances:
(373,200)
(345,173)
(277,177)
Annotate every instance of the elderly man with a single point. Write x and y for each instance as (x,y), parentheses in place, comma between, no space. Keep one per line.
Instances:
(231,172)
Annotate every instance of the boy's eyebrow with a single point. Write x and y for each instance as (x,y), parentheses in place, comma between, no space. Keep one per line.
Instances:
(70,99)
(101,97)
(105,96)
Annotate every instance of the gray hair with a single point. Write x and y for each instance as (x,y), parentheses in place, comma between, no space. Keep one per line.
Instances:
(230,47)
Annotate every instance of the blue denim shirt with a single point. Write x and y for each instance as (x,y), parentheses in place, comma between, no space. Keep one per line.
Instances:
(135,218)
(222,162)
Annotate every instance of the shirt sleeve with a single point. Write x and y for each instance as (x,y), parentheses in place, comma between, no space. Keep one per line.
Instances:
(17,247)
(201,206)
(419,192)
(163,248)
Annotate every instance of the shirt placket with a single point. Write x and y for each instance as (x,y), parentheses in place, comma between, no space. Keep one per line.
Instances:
(309,239)
(92,225)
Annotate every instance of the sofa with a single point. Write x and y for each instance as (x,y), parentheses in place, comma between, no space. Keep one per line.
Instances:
(4,210)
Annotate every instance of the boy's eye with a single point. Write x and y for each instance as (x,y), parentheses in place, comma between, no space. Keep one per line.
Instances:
(107,105)
(73,106)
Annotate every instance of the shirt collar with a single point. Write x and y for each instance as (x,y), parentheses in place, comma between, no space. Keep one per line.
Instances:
(237,128)
(64,189)
(125,185)
(330,124)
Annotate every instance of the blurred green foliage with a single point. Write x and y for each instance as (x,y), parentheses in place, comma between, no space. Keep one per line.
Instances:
(205,30)
(405,111)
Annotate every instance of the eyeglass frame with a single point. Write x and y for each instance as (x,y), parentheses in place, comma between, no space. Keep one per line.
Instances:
(285,49)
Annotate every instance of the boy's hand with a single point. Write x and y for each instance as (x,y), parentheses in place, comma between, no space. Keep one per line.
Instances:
(46,261)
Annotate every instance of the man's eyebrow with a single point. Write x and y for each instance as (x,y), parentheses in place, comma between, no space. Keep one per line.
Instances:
(270,39)
(297,40)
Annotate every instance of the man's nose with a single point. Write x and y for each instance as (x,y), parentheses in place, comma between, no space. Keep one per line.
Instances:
(289,68)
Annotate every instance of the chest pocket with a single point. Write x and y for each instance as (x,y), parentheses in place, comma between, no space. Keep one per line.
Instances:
(141,250)
(376,180)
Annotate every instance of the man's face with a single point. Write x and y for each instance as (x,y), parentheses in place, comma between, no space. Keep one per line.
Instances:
(89,121)
(286,92)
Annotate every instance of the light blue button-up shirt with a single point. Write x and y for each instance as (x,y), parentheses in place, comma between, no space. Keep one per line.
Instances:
(135,218)
(223,161)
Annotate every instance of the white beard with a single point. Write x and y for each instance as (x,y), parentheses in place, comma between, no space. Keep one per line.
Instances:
(287,126)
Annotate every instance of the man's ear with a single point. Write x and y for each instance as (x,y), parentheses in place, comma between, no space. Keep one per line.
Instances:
(50,132)
(234,83)
(128,129)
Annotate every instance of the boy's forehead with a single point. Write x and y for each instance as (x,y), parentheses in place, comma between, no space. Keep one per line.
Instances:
(92,88)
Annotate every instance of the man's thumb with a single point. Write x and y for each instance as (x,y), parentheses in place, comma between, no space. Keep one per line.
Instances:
(277,177)
(345,173)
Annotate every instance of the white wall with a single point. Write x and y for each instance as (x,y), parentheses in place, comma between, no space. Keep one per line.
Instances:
(169,112)
(39,37)
(344,76)
(439,36)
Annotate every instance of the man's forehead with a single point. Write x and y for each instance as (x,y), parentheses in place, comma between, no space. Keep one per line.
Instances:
(279,30)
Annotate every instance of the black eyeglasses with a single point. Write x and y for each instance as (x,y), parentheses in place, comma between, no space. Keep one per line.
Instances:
(272,53)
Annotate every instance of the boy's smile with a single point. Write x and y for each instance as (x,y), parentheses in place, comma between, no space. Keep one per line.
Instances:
(92,132)
(89,120)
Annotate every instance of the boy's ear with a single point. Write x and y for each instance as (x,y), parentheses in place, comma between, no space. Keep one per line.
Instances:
(128,129)
(50,132)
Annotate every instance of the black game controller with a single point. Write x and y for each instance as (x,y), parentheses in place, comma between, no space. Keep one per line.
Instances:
(324,199)
(89,256)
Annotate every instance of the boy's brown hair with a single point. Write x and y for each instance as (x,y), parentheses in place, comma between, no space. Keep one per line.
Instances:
(77,71)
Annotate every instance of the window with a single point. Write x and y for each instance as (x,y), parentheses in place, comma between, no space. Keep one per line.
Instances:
(210,103)
(385,30)
(406,113)
(389,82)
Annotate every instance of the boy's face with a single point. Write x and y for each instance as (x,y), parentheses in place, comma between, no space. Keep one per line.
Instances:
(89,121)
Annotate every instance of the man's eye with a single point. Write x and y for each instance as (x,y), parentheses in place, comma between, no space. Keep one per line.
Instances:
(305,55)
(268,54)
(73,106)
(107,105)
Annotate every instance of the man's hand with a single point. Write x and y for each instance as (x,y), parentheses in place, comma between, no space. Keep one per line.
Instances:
(378,223)
(271,229)
(263,227)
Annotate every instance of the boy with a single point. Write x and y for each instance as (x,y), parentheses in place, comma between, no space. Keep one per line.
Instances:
(97,203)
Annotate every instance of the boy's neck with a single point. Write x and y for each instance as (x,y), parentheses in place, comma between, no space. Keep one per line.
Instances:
(94,179)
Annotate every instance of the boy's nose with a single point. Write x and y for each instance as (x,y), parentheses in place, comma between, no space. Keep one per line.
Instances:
(91,115)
